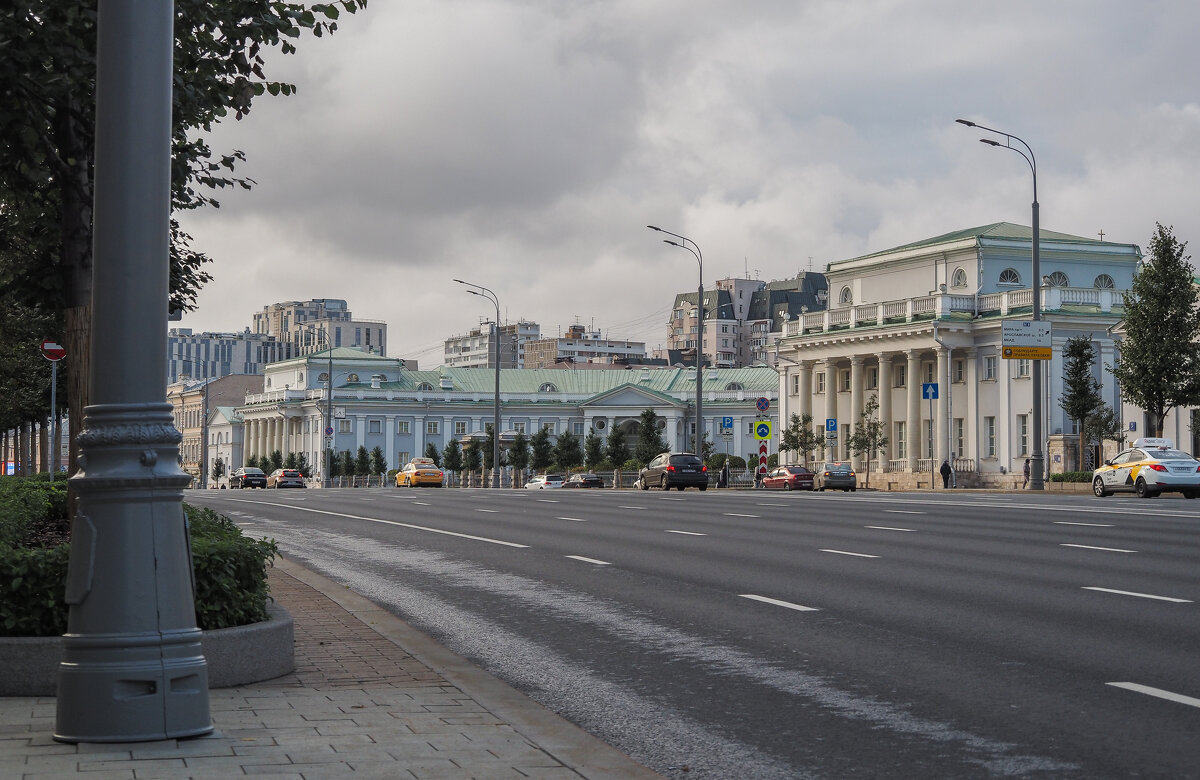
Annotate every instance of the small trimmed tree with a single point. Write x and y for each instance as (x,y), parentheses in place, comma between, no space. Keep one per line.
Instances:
(452,459)
(567,453)
(431,452)
(799,437)
(347,464)
(518,456)
(1081,397)
(303,466)
(593,450)
(378,461)
(870,434)
(472,457)
(541,450)
(362,462)
(290,461)
(616,448)
(276,461)
(650,441)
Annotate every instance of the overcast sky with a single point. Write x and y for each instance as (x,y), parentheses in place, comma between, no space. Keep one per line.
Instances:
(524,146)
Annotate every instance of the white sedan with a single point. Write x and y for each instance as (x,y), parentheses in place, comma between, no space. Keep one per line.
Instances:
(1150,467)
(544,482)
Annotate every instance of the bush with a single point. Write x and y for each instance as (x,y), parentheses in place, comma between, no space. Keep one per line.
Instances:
(1072,476)
(632,465)
(230,569)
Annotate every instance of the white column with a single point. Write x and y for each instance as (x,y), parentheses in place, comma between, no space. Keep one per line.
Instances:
(885,406)
(856,398)
(913,422)
(971,409)
(806,400)
(831,405)
(942,428)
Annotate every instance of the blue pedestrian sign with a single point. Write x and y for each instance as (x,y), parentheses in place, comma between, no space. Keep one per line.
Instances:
(831,425)
(929,390)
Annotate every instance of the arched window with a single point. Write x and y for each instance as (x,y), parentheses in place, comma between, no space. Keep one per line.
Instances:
(845,296)
(1010,276)
(352,378)
(425,386)
(1103,282)
(548,387)
(1058,279)
(734,386)
(959,279)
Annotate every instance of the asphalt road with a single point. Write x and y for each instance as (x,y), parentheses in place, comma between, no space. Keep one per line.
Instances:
(778,635)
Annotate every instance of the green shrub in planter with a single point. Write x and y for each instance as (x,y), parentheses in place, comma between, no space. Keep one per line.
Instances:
(32,585)
(1072,476)
(231,571)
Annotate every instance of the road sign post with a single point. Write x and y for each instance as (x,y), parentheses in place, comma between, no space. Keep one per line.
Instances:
(54,353)
(930,391)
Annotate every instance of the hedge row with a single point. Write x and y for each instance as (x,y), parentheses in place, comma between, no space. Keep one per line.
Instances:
(230,569)
(1072,476)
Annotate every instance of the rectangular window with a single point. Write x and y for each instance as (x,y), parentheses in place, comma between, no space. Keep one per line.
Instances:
(403,426)
(960,370)
(901,441)
(460,428)
(432,427)
(519,427)
(820,382)
(989,367)
(899,374)
(1022,434)
(577,428)
(548,428)
(402,458)
(795,384)
(989,437)
(873,378)
(930,371)
(844,380)
(374,426)
(1023,368)
(343,426)
(960,442)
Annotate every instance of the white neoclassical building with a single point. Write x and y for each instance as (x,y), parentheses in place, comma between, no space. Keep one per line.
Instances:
(931,312)
(377,402)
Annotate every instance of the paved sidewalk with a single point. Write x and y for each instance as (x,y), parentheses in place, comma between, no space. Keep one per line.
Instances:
(370,697)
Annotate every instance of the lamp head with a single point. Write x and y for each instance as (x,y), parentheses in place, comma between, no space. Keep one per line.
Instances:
(989,142)
(966,122)
(652,227)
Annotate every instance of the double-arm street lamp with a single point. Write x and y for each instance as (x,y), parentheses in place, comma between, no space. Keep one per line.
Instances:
(1037,461)
(694,248)
(484,292)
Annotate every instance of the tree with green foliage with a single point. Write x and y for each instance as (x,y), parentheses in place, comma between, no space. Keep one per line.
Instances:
(362,462)
(289,462)
(518,456)
(379,463)
(593,451)
(615,447)
(870,434)
(335,463)
(1081,396)
(541,450)
(709,447)
(431,452)
(650,441)
(1106,425)
(472,457)
(1159,363)
(276,460)
(800,437)
(489,444)
(567,453)
(218,468)
(347,464)
(47,121)
(452,459)
(303,466)
(264,465)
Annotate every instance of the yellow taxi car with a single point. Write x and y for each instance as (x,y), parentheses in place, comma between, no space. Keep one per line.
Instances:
(1150,467)
(419,471)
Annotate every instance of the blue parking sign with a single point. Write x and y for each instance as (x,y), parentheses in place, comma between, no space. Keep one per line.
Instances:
(726,422)
(831,424)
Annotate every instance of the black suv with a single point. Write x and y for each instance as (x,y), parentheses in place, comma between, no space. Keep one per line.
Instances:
(248,477)
(675,470)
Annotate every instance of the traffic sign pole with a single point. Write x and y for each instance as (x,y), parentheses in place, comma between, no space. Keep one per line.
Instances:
(54,353)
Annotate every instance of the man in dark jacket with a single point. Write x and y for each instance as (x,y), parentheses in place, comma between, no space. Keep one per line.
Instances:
(945,471)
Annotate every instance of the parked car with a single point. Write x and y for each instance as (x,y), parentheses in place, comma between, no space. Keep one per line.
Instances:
(585,481)
(419,471)
(1152,466)
(285,478)
(836,476)
(248,477)
(789,478)
(674,470)
(544,482)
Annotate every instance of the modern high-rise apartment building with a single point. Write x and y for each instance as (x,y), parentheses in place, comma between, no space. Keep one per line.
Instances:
(580,346)
(316,325)
(210,355)
(743,318)
(474,349)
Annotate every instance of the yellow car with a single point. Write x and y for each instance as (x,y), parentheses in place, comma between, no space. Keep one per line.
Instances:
(419,471)
(1150,467)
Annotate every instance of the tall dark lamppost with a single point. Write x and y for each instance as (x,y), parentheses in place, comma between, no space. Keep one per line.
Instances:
(699,331)
(484,292)
(1037,460)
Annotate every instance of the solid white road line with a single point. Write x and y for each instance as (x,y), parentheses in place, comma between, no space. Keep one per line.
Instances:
(1139,595)
(622,506)
(904,511)
(493,511)
(1104,549)
(391,522)
(1091,525)
(576,519)
(765,504)
(856,555)
(548,500)
(1159,692)
(889,528)
(686,533)
(589,560)
(778,603)
(420,503)
(735,514)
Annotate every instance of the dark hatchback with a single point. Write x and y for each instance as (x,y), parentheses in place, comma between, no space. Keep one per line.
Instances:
(248,477)
(789,478)
(585,481)
(836,476)
(674,470)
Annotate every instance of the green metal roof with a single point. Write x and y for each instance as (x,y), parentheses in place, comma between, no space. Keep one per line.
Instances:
(586,382)
(996,230)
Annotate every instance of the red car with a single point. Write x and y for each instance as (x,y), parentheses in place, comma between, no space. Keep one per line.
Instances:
(789,478)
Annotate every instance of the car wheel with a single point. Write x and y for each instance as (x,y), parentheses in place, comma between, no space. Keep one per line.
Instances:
(662,483)
(1098,488)
(787,485)
(703,487)
(1142,489)
(679,487)
(1190,494)
(643,484)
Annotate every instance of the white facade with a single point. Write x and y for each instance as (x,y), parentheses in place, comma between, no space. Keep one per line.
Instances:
(931,312)
(476,348)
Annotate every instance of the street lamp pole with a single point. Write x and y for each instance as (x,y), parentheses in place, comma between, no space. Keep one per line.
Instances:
(326,481)
(1037,460)
(484,292)
(699,330)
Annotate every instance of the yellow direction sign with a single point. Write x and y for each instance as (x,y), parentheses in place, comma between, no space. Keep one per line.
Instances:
(1026,353)
(762,429)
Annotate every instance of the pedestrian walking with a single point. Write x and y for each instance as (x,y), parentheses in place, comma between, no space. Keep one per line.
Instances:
(724,479)
(945,471)
(757,478)
(1025,471)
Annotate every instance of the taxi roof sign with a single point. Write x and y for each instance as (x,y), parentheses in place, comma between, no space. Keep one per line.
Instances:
(1151,443)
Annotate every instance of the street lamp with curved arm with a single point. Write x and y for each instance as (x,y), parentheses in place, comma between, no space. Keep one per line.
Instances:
(1037,460)
(695,250)
(326,480)
(484,292)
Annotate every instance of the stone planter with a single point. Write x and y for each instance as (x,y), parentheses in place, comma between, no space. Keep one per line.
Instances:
(235,656)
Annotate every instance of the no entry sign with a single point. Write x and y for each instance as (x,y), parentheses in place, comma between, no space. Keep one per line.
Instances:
(53,351)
